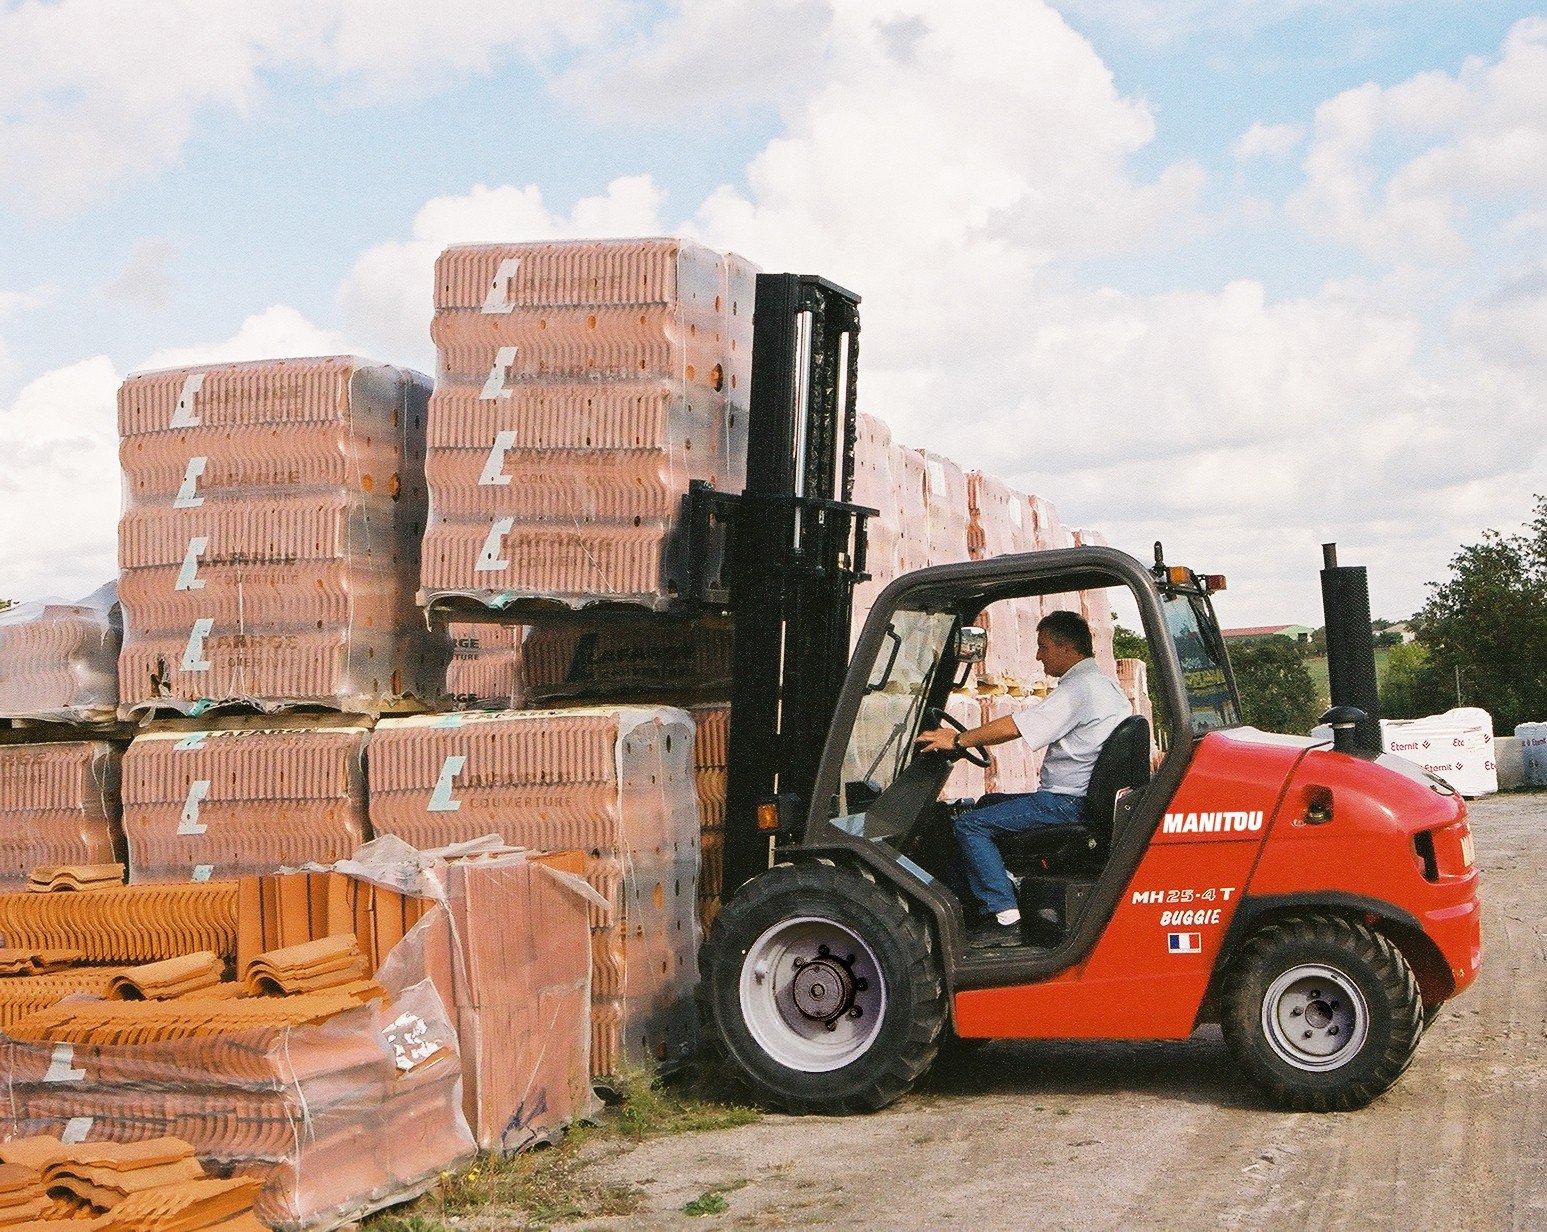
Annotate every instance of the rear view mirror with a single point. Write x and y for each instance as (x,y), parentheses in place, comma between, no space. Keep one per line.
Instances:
(971,644)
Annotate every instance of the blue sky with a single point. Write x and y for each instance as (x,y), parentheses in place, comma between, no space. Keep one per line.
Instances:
(1243,276)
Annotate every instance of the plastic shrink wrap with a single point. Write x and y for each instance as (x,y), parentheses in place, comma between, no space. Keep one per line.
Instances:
(269,547)
(59,804)
(616,783)
(339,1108)
(226,803)
(1456,746)
(1533,752)
(59,661)
(485,671)
(582,386)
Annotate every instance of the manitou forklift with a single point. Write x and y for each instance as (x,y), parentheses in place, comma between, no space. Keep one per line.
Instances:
(1315,899)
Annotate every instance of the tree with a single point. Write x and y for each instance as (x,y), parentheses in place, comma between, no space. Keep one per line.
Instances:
(1126,644)
(1485,628)
(1413,686)
(1277,692)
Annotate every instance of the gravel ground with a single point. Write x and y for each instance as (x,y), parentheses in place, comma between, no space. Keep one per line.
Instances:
(1031,1134)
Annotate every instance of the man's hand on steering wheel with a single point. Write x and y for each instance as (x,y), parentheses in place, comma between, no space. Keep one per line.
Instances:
(947,740)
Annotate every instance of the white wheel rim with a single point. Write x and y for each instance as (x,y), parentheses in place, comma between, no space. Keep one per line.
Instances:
(1315,1018)
(812,994)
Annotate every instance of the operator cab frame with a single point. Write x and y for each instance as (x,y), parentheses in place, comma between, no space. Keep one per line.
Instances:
(876,799)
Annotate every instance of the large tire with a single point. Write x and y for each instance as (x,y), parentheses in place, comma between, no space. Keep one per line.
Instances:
(820,989)
(1322,1012)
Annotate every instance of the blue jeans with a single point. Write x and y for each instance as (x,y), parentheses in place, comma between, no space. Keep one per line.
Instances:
(976,828)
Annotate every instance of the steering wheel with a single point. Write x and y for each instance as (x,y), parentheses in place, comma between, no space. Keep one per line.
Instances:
(976,756)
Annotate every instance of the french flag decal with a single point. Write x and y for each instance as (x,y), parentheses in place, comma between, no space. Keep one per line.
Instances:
(1184,943)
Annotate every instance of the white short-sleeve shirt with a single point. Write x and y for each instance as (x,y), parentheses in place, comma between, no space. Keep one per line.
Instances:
(1072,723)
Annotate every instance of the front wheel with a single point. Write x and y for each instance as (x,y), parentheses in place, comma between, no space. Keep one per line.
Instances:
(821,990)
(1323,1012)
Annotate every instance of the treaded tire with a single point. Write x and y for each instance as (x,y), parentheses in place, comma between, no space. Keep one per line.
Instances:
(1300,983)
(750,966)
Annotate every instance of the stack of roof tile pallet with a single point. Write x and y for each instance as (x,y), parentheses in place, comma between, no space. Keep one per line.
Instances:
(279,518)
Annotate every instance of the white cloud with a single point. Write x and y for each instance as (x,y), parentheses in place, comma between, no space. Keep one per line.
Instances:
(279,332)
(145,281)
(1267,141)
(387,299)
(702,54)
(1480,138)
(1161,22)
(59,489)
(94,92)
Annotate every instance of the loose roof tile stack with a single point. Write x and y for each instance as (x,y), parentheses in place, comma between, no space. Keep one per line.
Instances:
(327,962)
(23,995)
(59,804)
(125,924)
(614,782)
(616,662)
(75,878)
(152,1186)
(59,661)
(334,1107)
(278,911)
(581,387)
(234,802)
(269,548)
(171,977)
(485,672)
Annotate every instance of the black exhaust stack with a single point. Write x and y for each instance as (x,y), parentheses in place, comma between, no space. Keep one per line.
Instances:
(1345,598)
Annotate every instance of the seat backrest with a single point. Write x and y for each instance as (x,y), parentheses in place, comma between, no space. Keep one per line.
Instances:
(1124,761)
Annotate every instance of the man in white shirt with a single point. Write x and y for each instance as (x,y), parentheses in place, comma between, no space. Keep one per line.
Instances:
(1072,724)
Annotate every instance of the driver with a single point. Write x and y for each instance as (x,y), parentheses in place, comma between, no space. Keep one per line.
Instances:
(1072,724)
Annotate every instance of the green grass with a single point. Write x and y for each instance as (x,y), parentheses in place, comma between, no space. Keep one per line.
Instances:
(551,1185)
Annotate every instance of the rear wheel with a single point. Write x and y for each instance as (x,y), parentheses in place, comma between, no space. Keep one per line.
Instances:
(1323,1012)
(821,990)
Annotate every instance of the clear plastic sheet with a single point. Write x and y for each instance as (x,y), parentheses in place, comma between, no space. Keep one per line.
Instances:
(59,661)
(616,783)
(337,1118)
(504,935)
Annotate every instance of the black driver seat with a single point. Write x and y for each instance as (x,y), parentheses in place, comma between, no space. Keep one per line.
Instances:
(1123,763)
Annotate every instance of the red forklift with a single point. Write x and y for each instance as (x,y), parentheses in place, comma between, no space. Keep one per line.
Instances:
(1316,899)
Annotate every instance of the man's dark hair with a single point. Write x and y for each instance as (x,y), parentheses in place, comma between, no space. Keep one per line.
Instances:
(1070,629)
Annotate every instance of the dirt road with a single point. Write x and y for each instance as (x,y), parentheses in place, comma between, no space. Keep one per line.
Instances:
(1030,1135)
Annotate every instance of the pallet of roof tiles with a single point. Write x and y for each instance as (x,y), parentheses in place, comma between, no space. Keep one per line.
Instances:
(1096,607)
(614,782)
(269,547)
(59,804)
(910,499)
(1133,680)
(485,671)
(1014,767)
(966,780)
(711,759)
(334,1105)
(227,803)
(507,943)
(873,489)
(582,386)
(617,662)
(59,661)
(946,505)
(125,924)
(999,524)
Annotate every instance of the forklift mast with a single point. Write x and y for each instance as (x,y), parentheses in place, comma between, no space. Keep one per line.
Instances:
(794,550)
